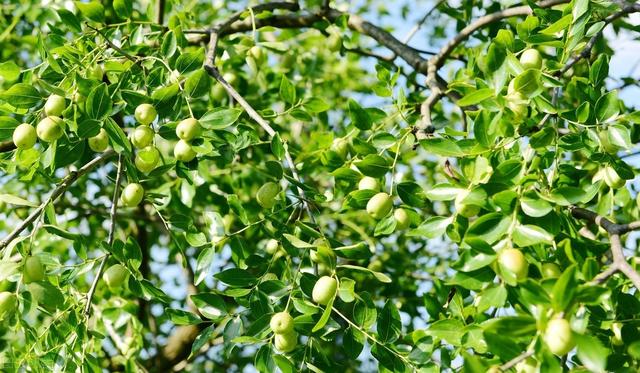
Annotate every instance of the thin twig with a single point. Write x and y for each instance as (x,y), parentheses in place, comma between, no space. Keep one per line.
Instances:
(112,229)
(112,45)
(57,192)
(513,362)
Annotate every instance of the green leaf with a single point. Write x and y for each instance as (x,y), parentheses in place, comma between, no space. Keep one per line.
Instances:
(180,317)
(315,105)
(98,104)
(373,165)
(93,10)
(528,235)
(529,83)
(411,193)
(277,147)
(564,289)
(69,19)
(359,117)
(325,316)
(535,207)
(21,96)
(607,107)
(441,146)
(9,71)
(378,275)
(123,8)
(389,325)
(450,330)
(197,84)
(236,277)
(220,118)
(443,192)
(287,90)
(15,200)
(475,97)
(433,227)
(210,305)
(190,61)
(592,353)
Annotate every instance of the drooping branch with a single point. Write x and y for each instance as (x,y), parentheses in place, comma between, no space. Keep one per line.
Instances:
(57,192)
(112,229)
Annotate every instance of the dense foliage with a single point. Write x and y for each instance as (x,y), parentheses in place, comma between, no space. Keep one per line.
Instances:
(230,186)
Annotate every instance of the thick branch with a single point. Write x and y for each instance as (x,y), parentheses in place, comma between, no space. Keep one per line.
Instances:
(614,230)
(57,192)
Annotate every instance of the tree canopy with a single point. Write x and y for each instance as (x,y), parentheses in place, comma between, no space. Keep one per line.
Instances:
(318,186)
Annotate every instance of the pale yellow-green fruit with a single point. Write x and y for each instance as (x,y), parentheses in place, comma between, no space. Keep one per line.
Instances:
(334,42)
(368,183)
(281,323)
(183,151)
(33,270)
(257,53)
(341,147)
(559,337)
(272,246)
(527,366)
(54,106)
(531,59)
(142,136)
(24,136)
(550,270)
(516,101)
(96,72)
(188,129)
(324,290)
(514,262)
(267,194)
(115,276)
(132,195)
(99,142)
(145,114)
(379,205)
(147,159)
(402,219)
(8,304)
(50,129)
(286,342)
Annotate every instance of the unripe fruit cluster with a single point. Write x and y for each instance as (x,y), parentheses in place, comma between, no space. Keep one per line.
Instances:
(147,156)
(286,338)
(187,130)
(381,204)
(516,101)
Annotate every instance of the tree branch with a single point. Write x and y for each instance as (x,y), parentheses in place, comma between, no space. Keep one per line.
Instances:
(586,51)
(614,230)
(437,85)
(57,192)
(7,146)
(513,362)
(112,229)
